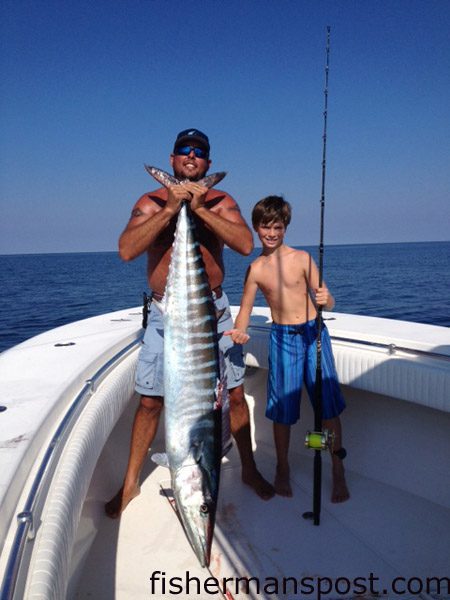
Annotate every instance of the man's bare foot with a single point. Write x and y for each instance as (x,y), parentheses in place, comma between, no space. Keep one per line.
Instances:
(340,491)
(115,507)
(256,481)
(282,483)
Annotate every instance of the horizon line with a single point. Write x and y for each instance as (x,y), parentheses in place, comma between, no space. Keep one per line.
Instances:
(227,248)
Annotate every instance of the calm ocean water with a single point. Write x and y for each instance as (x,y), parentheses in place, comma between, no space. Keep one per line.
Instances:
(398,281)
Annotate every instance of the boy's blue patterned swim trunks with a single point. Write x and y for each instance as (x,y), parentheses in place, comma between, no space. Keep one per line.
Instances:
(292,361)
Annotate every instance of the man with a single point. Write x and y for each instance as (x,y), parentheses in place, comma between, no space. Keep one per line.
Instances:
(151,229)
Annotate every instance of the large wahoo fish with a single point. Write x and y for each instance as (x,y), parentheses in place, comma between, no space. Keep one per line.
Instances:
(192,385)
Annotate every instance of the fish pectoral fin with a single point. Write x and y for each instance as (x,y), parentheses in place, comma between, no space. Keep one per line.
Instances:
(196,451)
(161,459)
(194,457)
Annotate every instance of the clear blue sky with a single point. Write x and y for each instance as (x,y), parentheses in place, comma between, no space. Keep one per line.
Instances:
(90,91)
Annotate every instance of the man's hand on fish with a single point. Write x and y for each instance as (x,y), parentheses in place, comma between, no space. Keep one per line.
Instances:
(189,191)
(197,194)
(176,195)
(238,336)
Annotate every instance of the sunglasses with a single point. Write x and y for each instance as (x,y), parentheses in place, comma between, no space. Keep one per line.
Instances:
(186,150)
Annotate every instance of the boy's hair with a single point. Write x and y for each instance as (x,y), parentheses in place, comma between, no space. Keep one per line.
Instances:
(271,209)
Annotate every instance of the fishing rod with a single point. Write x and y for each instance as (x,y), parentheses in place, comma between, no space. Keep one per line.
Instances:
(319,440)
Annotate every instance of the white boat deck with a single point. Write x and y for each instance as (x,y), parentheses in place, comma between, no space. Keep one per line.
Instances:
(381,531)
(266,540)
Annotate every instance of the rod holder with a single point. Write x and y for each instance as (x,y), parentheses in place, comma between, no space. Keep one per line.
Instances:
(26,517)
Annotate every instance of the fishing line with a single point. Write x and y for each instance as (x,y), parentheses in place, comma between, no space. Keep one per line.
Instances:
(318,439)
(318,412)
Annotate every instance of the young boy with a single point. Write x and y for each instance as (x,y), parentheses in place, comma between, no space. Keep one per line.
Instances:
(289,280)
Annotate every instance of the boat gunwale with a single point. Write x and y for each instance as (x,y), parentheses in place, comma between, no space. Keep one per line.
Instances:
(26,517)
(391,348)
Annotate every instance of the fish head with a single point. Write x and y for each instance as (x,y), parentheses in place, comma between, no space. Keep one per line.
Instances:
(196,507)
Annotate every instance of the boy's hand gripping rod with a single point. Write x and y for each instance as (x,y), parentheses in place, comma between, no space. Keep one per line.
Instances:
(319,440)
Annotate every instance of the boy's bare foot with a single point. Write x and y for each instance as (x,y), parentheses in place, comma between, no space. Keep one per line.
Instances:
(115,507)
(340,491)
(282,483)
(256,481)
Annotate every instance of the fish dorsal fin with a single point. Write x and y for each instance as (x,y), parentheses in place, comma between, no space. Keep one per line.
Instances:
(167,179)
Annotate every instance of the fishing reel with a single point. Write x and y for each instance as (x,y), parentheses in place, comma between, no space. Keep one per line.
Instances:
(319,440)
(323,440)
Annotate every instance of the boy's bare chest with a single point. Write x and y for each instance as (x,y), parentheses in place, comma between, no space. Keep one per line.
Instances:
(282,277)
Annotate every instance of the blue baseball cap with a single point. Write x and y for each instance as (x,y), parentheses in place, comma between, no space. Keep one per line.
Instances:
(192,136)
